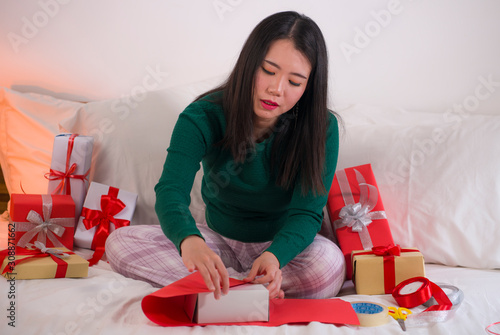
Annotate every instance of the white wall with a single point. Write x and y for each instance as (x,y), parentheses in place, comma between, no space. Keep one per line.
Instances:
(420,54)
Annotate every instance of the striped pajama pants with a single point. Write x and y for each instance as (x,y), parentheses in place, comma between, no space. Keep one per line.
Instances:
(145,253)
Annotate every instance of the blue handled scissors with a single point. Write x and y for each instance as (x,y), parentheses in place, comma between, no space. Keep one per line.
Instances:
(399,314)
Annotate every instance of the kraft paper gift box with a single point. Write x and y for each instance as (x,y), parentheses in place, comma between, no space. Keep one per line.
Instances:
(41,263)
(105,209)
(380,270)
(47,218)
(244,303)
(357,213)
(70,167)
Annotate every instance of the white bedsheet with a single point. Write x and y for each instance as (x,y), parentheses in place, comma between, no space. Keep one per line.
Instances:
(108,303)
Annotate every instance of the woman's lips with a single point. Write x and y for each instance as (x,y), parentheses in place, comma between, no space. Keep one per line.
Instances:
(268,104)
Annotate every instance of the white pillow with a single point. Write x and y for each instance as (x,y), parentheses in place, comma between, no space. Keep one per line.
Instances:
(438,175)
(131,136)
(441,193)
(28,124)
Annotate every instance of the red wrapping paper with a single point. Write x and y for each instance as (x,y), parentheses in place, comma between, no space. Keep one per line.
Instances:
(378,230)
(166,307)
(62,212)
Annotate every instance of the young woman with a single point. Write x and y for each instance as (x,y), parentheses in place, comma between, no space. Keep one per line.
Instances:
(268,146)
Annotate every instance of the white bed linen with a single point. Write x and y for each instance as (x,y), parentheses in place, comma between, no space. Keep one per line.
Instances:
(108,303)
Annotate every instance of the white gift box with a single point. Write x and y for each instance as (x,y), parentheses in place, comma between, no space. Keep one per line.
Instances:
(243,303)
(81,156)
(84,236)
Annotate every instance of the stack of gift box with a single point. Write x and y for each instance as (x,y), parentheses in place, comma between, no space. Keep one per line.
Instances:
(45,228)
(79,213)
(374,263)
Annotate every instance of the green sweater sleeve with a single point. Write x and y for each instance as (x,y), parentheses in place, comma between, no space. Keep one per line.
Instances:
(305,213)
(188,144)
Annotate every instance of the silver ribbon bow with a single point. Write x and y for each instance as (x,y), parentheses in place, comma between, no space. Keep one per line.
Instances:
(52,251)
(358,215)
(44,228)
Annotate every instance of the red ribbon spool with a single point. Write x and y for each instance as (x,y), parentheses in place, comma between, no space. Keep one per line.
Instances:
(424,292)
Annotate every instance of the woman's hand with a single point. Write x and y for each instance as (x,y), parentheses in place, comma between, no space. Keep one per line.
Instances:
(268,266)
(197,255)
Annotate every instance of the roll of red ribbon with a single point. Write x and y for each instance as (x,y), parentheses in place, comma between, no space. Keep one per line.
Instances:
(416,291)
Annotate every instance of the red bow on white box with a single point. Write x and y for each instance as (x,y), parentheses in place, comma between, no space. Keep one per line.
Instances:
(101,219)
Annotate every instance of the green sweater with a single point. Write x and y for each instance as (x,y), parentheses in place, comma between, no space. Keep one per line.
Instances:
(242,200)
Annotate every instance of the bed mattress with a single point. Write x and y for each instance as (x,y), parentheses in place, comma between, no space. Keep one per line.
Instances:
(108,303)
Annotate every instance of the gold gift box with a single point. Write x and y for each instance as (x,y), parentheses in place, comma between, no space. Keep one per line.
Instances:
(45,267)
(368,270)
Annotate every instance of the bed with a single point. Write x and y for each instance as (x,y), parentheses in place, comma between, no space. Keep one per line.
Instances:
(432,144)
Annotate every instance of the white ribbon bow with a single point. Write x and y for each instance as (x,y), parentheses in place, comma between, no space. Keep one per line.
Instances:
(52,251)
(355,216)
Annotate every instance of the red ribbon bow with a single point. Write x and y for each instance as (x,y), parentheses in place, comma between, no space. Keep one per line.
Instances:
(387,250)
(101,219)
(68,173)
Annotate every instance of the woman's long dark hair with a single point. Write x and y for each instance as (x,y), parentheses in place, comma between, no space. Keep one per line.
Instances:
(299,146)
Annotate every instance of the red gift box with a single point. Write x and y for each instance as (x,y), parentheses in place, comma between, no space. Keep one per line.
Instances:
(47,218)
(357,212)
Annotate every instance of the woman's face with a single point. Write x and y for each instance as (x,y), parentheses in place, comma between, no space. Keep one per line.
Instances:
(279,82)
